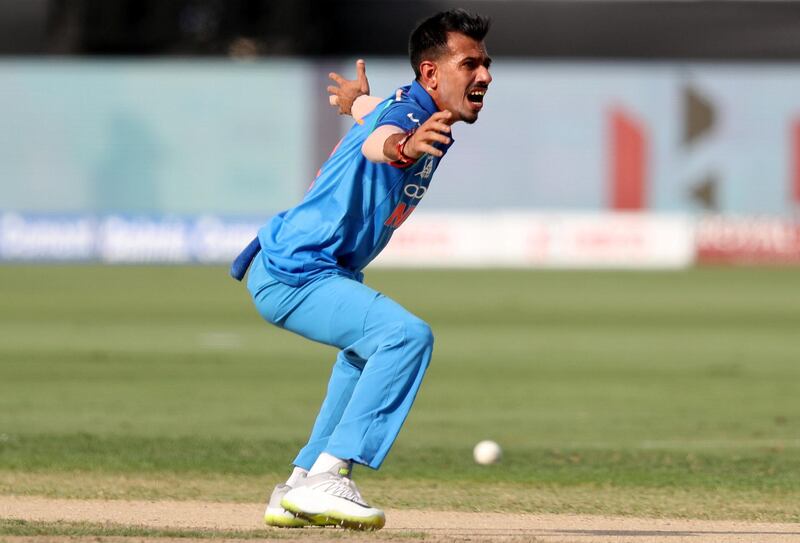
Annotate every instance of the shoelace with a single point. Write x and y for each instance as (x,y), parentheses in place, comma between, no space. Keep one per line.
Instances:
(343,487)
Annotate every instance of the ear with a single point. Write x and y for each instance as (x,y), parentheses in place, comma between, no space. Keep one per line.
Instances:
(428,72)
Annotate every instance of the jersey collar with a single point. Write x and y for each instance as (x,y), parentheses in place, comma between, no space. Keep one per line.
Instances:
(421,96)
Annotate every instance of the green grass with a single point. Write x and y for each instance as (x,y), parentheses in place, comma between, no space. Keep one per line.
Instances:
(22,528)
(597,384)
(92,531)
(768,469)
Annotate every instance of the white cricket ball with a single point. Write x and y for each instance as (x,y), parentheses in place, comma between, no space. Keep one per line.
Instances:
(487,452)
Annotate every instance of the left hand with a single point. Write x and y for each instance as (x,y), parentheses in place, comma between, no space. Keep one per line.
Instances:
(343,95)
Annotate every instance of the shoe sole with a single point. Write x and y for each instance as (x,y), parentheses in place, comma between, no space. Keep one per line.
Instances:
(280,521)
(336,518)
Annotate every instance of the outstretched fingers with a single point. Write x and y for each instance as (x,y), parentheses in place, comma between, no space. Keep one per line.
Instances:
(439,127)
(333,90)
(361,75)
(424,148)
(435,130)
(337,78)
(445,117)
(424,139)
(344,92)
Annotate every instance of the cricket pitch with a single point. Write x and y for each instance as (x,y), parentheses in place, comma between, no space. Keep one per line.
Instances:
(215,519)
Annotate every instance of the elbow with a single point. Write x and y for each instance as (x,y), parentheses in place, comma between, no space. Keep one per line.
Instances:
(372,152)
(372,149)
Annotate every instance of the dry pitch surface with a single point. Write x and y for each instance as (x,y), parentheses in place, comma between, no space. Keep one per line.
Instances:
(402,525)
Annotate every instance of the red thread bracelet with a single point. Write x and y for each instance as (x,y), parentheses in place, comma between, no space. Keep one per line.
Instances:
(403,160)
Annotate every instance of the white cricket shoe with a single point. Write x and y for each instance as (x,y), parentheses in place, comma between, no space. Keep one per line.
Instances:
(333,498)
(275,515)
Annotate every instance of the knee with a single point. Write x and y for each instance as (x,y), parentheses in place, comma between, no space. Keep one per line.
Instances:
(418,332)
(409,331)
(423,332)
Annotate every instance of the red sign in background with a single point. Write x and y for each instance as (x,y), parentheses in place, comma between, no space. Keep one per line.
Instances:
(726,240)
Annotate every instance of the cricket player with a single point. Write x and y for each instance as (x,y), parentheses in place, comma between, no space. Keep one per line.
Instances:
(306,265)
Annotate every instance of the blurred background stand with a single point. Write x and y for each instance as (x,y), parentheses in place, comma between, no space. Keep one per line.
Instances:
(632,29)
(195,120)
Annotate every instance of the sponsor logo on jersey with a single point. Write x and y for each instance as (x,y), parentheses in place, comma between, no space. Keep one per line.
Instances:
(411,191)
(399,215)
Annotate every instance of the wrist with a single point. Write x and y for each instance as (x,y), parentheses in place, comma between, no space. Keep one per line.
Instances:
(403,160)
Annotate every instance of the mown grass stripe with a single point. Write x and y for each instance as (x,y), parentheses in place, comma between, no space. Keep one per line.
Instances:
(764,468)
(27,528)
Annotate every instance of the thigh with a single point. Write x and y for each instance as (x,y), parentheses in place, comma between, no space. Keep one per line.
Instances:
(333,311)
(341,312)
(330,309)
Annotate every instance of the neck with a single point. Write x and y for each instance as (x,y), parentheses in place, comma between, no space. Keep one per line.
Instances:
(433,94)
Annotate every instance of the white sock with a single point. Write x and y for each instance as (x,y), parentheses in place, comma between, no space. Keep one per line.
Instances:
(324,463)
(296,476)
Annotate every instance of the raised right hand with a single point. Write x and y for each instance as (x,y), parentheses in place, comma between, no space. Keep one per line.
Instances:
(435,129)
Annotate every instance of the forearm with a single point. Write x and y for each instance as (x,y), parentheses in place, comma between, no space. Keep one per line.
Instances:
(381,145)
(390,146)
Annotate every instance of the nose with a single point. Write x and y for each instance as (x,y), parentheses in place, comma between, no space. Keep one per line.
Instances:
(483,75)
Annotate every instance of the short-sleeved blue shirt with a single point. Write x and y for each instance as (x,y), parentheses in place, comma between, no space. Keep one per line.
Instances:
(353,206)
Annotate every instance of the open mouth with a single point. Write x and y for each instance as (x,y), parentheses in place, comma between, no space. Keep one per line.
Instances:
(476,96)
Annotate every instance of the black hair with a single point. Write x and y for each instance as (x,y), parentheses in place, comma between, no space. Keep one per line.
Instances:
(429,39)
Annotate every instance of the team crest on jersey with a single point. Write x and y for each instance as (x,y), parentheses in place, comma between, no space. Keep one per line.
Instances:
(427,168)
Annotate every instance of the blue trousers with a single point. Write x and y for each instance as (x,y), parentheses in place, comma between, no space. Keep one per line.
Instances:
(383,353)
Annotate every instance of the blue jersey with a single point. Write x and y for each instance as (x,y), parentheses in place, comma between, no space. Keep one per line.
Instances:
(353,206)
